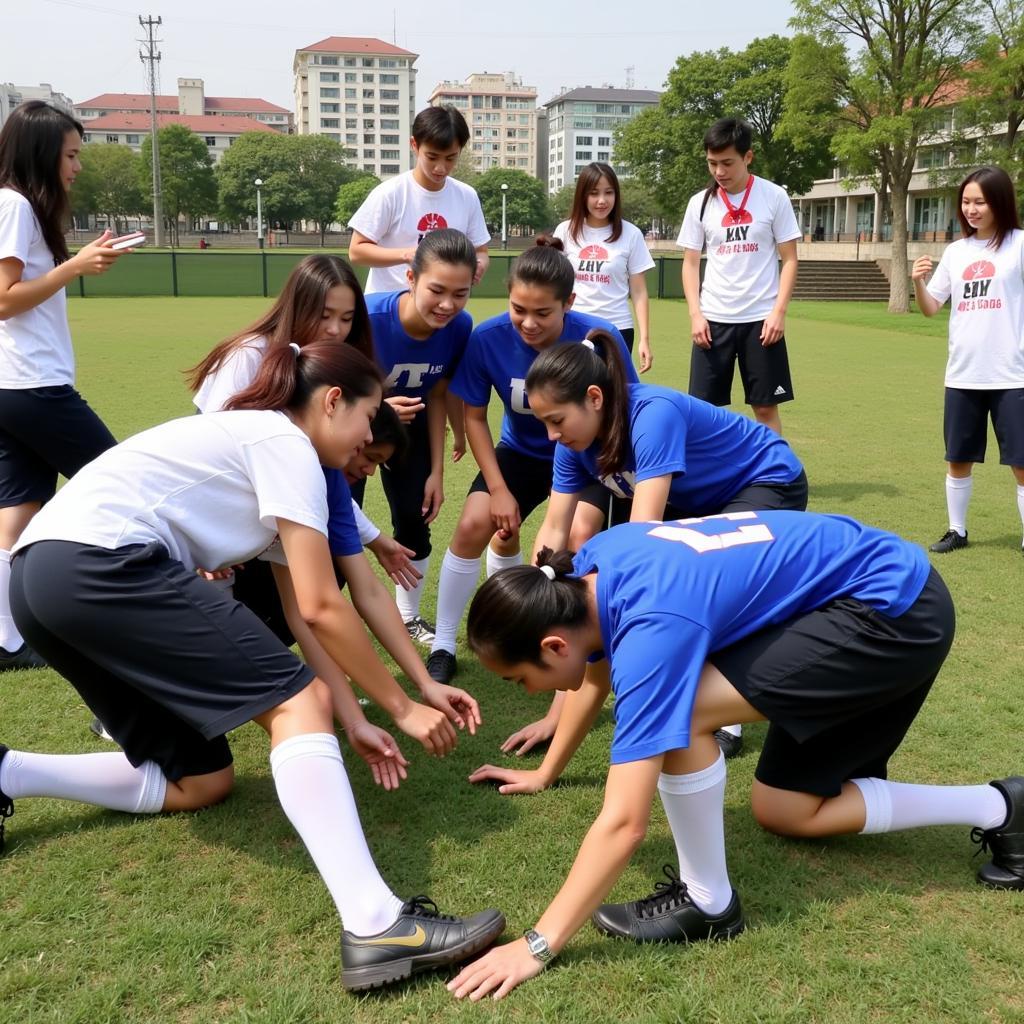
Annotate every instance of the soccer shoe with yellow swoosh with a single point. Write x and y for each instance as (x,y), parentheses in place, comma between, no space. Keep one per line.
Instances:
(420,940)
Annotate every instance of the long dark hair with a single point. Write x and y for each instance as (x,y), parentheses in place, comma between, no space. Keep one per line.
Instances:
(31,146)
(295,316)
(997,188)
(588,180)
(287,379)
(517,607)
(445,245)
(567,370)
(544,264)
(387,428)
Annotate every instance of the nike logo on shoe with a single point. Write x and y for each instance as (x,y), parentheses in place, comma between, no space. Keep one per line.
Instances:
(418,938)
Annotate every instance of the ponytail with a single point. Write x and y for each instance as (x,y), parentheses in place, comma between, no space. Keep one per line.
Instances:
(567,370)
(289,375)
(517,607)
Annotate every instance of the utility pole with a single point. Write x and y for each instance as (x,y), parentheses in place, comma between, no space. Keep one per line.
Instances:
(151,56)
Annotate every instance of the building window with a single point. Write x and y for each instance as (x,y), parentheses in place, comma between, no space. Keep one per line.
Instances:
(350,94)
(390,169)
(389,79)
(390,154)
(523,161)
(369,124)
(369,154)
(330,122)
(368,62)
(113,138)
(603,156)
(211,140)
(132,140)
(329,76)
(367,108)
(330,108)
(369,139)
(332,135)
(478,102)
(351,108)
(604,140)
(350,76)
(369,94)
(351,122)
(390,94)
(390,140)
(368,167)
(386,62)
(330,94)
(367,76)
(388,108)
(350,62)
(351,138)
(495,103)
(584,140)
(388,123)
(331,62)
(582,154)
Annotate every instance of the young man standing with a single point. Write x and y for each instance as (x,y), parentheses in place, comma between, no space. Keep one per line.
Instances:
(739,313)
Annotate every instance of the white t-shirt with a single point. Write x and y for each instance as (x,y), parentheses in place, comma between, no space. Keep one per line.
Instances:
(603,269)
(741,279)
(986,319)
(35,346)
(210,489)
(398,213)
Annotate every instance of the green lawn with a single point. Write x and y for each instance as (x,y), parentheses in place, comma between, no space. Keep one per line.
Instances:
(220,916)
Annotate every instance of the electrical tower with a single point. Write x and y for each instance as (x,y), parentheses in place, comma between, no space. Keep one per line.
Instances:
(630,72)
(150,56)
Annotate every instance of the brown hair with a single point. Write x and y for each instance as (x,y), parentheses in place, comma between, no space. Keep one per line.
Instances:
(588,180)
(997,188)
(546,265)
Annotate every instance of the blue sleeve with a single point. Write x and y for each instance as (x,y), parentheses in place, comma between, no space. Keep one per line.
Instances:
(570,476)
(471,381)
(658,434)
(656,662)
(342,532)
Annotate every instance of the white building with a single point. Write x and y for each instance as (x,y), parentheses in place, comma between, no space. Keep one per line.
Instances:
(581,127)
(502,116)
(12,96)
(361,93)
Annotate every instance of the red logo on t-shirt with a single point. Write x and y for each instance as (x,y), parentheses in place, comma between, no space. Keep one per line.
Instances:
(979,269)
(431,222)
(594,252)
(734,217)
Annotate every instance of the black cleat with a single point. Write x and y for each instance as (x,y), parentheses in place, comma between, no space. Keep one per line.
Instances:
(729,744)
(442,666)
(6,803)
(668,915)
(1006,844)
(420,631)
(949,541)
(422,939)
(23,657)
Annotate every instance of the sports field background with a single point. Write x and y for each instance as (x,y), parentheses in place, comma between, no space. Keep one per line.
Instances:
(220,916)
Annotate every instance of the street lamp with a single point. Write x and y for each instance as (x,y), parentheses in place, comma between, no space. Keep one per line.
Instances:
(504,218)
(259,211)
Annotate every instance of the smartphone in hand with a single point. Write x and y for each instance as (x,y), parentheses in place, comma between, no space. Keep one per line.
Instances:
(130,241)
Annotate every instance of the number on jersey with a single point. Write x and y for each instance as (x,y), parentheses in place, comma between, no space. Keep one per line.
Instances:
(702,543)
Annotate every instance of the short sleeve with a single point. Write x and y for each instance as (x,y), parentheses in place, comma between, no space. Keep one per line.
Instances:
(287,480)
(471,382)
(659,434)
(784,225)
(691,234)
(638,259)
(375,217)
(342,531)
(368,531)
(235,373)
(940,287)
(17,225)
(569,475)
(656,662)
(561,232)
(478,232)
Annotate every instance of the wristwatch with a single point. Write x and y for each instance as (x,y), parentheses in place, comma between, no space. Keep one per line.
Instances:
(538,946)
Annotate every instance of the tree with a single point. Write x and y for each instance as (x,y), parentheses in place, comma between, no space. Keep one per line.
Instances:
(526,200)
(663,146)
(273,159)
(465,167)
(321,172)
(112,172)
(186,174)
(352,195)
(906,59)
(561,202)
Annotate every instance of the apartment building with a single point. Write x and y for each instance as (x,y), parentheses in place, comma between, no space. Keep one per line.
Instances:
(581,127)
(12,96)
(361,92)
(502,116)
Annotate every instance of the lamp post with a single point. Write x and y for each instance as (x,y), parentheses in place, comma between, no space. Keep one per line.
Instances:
(504,218)
(259,211)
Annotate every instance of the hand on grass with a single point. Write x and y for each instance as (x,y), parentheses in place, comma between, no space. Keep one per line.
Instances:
(496,973)
(511,780)
(396,561)
(429,727)
(379,750)
(529,736)
(457,705)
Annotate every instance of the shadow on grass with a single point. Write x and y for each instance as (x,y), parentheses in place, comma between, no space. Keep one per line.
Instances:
(852,490)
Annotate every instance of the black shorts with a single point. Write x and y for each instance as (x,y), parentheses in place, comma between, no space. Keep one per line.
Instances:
(627,336)
(840,686)
(43,432)
(526,476)
(965,424)
(167,662)
(404,486)
(763,370)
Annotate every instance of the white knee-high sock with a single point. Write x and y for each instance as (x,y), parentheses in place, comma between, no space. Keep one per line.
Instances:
(107,780)
(10,638)
(408,601)
(496,562)
(315,793)
(1020,506)
(454,589)
(891,806)
(695,807)
(958,497)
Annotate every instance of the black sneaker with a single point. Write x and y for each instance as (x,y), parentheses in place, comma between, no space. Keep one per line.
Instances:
(420,631)
(949,541)
(420,940)
(23,657)
(99,729)
(729,744)
(442,666)
(668,915)
(1006,844)
(6,803)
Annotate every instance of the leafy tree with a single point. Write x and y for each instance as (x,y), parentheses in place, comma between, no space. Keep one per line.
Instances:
(465,167)
(186,174)
(905,59)
(561,202)
(526,200)
(352,195)
(321,172)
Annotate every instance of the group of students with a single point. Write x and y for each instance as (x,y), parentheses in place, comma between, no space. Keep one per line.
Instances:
(721,601)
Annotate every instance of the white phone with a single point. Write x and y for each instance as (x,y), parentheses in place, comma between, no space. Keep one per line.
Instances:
(131,241)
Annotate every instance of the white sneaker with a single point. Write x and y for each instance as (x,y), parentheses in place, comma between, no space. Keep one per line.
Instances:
(421,631)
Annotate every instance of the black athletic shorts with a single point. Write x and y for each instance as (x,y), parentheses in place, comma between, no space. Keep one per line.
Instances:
(526,476)
(167,662)
(43,432)
(840,686)
(965,424)
(763,370)
(403,487)
(627,336)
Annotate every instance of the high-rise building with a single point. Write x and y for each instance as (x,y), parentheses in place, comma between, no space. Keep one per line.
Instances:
(12,96)
(361,93)
(581,127)
(502,116)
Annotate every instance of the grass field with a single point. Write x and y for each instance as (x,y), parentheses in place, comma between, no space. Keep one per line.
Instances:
(220,916)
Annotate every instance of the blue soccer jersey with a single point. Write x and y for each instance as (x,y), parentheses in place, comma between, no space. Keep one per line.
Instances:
(342,532)
(411,366)
(670,594)
(710,453)
(497,357)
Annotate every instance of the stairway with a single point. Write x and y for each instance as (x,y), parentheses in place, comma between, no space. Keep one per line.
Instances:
(847,280)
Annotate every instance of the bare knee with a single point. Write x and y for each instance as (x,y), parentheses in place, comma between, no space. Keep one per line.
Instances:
(197,791)
(472,534)
(786,814)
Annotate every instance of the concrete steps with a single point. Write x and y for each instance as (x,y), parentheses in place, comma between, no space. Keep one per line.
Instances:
(841,280)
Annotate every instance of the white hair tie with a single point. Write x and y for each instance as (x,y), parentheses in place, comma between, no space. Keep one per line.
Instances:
(295,348)
(547,570)
(589,344)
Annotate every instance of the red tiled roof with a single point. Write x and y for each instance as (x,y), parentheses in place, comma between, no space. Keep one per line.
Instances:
(357,44)
(244,103)
(208,124)
(140,101)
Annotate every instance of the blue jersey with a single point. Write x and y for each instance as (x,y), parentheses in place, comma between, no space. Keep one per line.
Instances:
(710,453)
(670,594)
(342,532)
(412,366)
(497,357)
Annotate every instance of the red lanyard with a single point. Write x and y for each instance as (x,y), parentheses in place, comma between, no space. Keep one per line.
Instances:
(736,212)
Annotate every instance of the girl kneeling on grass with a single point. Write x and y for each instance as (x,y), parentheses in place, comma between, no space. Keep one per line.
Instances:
(104,586)
(830,630)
